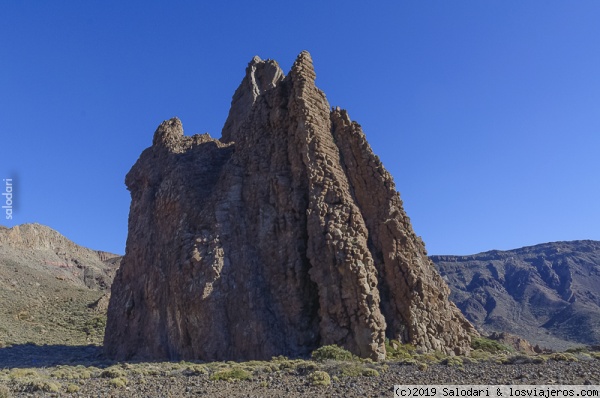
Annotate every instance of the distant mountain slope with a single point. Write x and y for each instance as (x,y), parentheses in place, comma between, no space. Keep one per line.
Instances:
(548,293)
(46,285)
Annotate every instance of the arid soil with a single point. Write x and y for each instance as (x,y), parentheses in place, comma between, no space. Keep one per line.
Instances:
(31,370)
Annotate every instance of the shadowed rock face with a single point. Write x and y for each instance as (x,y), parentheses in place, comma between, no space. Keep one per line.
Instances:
(284,235)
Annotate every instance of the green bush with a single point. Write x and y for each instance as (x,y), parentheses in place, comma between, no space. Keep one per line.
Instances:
(577,350)
(370,372)
(118,382)
(196,369)
(22,373)
(319,378)
(480,355)
(491,346)
(43,385)
(112,372)
(230,374)
(523,359)
(355,370)
(332,352)
(71,388)
(395,350)
(563,356)
(452,361)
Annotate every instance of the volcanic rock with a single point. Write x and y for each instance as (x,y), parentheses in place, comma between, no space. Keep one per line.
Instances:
(284,235)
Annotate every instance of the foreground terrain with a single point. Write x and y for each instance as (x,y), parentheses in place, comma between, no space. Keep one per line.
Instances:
(88,374)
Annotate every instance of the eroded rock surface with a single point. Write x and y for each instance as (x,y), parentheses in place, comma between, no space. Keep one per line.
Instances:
(284,235)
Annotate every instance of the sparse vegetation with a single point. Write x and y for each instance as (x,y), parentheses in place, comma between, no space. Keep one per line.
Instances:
(195,369)
(563,356)
(231,374)
(118,382)
(332,352)
(322,372)
(319,378)
(112,372)
(453,361)
(22,373)
(349,369)
(43,385)
(522,359)
(396,350)
(488,345)
(71,388)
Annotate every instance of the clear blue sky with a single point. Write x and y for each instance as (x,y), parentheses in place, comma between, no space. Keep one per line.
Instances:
(487,113)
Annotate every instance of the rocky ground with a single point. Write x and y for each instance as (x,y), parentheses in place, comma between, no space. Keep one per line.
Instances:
(82,372)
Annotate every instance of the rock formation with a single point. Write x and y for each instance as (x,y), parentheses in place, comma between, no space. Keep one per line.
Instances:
(284,235)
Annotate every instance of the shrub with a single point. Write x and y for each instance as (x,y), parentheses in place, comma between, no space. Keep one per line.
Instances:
(195,369)
(42,385)
(332,352)
(22,373)
(112,373)
(352,369)
(319,378)
(395,350)
(303,367)
(230,374)
(480,355)
(577,350)
(118,382)
(453,361)
(491,346)
(71,388)
(522,359)
(370,372)
(563,356)
(422,366)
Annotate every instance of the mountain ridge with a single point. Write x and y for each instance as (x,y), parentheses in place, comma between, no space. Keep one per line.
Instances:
(547,293)
(48,285)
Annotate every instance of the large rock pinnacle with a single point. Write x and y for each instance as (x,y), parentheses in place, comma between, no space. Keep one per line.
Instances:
(284,235)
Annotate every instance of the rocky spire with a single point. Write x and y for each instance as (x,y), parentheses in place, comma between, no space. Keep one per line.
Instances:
(284,235)
(260,77)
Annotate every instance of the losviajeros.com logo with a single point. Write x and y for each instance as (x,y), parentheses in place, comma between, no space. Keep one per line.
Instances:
(8,198)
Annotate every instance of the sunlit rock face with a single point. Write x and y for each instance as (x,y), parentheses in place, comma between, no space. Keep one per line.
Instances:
(284,235)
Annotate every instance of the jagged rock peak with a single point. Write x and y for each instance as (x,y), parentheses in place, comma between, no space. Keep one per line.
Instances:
(169,133)
(260,77)
(284,235)
(303,67)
